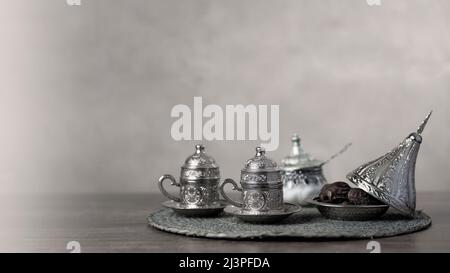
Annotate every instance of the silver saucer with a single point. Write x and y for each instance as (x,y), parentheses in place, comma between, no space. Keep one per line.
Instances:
(263,217)
(207,211)
(349,212)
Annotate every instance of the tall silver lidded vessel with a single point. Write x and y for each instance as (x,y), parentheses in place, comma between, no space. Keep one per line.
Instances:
(391,177)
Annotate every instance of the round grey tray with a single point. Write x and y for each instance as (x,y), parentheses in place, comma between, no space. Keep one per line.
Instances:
(308,224)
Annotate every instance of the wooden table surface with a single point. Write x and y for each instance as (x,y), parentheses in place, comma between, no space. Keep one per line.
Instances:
(117,223)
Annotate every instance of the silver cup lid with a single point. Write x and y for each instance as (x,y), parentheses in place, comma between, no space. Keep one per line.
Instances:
(260,162)
(260,170)
(200,165)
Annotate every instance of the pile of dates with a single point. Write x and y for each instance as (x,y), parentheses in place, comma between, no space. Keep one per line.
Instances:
(342,193)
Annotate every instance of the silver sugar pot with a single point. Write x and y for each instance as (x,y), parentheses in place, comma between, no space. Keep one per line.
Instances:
(302,174)
(199,181)
(261,185)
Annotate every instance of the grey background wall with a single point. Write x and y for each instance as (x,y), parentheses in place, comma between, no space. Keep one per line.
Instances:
(86,92)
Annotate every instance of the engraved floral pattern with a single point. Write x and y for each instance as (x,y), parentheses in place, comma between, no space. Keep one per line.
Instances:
(254,178)
(206,173)
(201,160)
(192,195)
(254,200)
(295,177)
(260,163)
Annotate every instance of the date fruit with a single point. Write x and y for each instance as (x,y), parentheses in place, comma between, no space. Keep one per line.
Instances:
(334,193)
(342,193)
(360,197)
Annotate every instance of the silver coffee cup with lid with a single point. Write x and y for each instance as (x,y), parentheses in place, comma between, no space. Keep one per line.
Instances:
(261,185)
(199,181)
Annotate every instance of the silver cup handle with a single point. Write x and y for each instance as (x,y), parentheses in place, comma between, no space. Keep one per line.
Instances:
(235,187)
(174,183)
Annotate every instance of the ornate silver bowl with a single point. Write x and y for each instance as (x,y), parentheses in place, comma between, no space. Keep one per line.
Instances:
(349,212)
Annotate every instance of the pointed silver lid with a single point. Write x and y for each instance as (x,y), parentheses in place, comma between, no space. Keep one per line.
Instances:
(390,178)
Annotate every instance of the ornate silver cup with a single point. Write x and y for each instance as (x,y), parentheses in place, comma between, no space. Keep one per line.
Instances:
(199,181)
(262,188)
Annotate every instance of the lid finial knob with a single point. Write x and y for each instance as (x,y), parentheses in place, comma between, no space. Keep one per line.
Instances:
(295,139)
(295,151)
(260,151)
(199,148)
